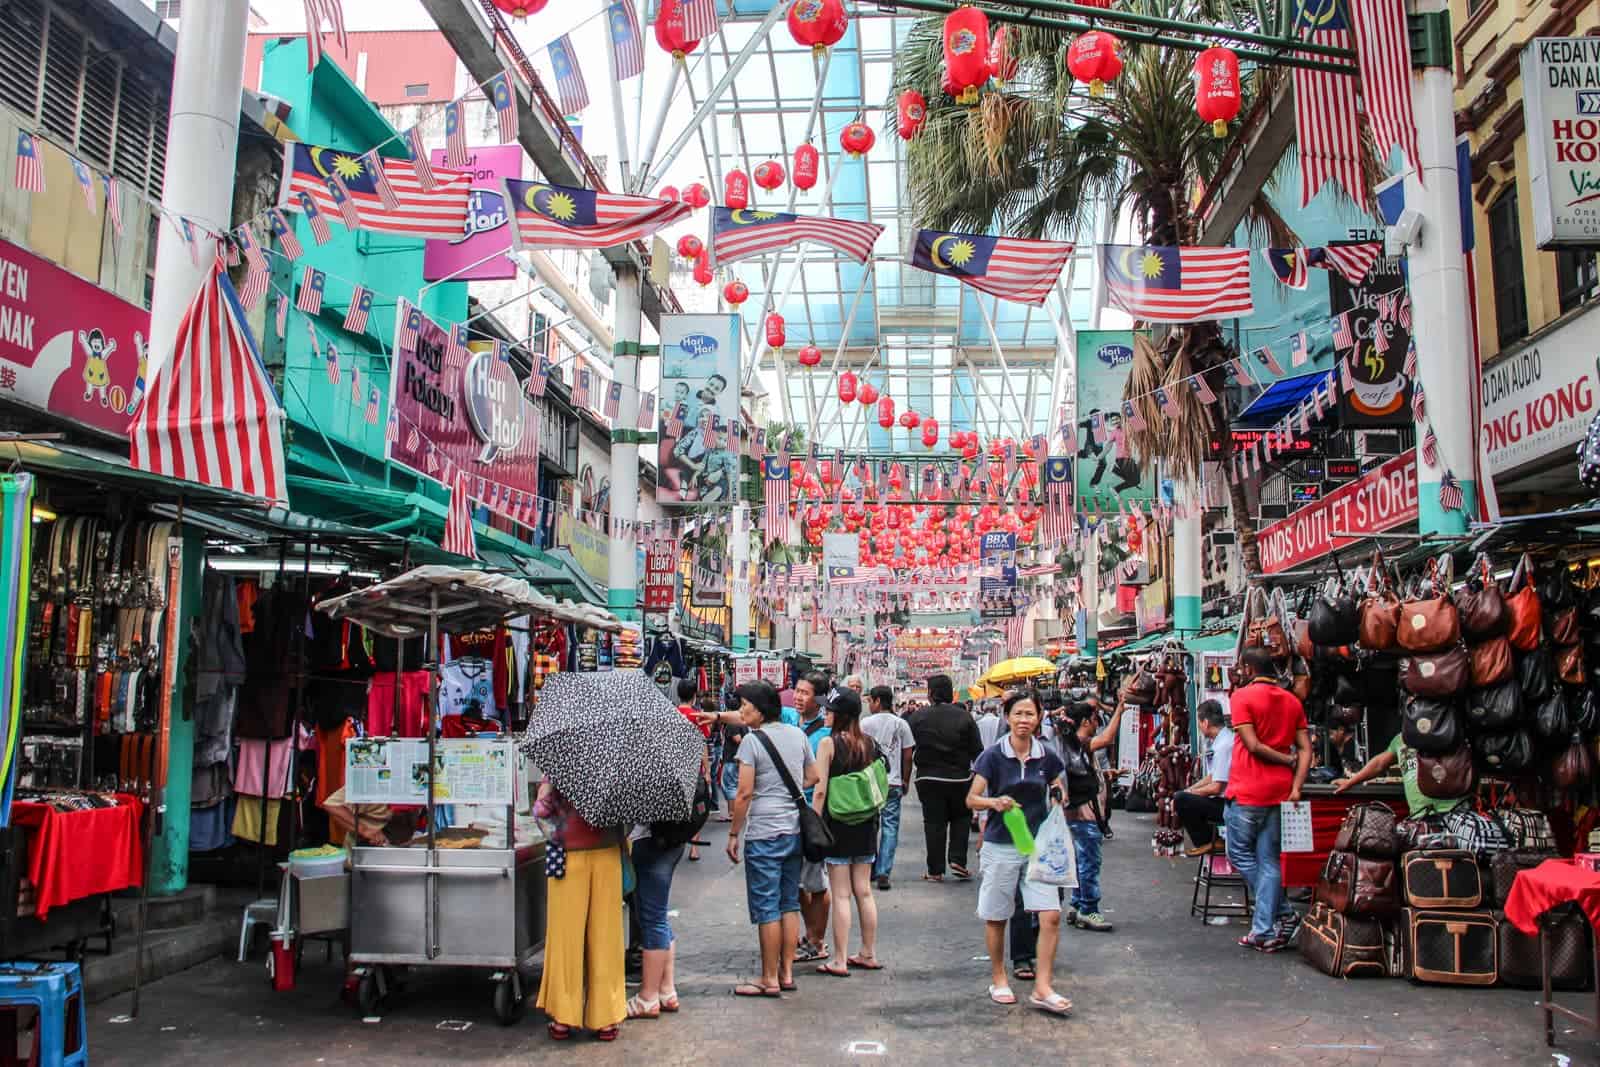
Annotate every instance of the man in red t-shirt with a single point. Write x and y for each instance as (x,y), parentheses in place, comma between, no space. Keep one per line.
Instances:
(1271,755)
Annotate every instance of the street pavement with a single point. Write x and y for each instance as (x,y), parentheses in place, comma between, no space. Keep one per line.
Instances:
(1161,988)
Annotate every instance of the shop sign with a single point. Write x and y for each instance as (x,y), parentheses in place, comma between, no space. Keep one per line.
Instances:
(487,230)
(1539,402)
(1304,492)
(746,669)
(1342,470)
(1385,498)
(589,546)
(997,584)
(1106,472)
(67,346)
(494,404)
(709,579)
(1561,107)
(1290,444)
(697,456)
(660,574)
(841,552)
(1381,392)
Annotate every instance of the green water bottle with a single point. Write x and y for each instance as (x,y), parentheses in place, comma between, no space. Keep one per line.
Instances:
(1021,836)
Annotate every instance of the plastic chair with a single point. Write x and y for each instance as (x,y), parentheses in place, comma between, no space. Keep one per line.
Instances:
(54,991)
(1215,872)
(263,912)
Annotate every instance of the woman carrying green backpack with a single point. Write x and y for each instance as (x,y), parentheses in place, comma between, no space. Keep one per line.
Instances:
(852,790)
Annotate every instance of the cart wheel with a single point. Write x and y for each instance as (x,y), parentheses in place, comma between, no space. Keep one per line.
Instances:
(508,1006)
(368,998)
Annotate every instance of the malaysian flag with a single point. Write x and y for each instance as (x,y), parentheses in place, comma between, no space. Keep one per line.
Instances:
(1288,266)
(409,319)
(1409,368)
(570,86)
(30,168)
(316,11)
(1429,449)
(113,187)
(1299,350)
(672,422)
(427,181)
(699,19)
(439,212)
(455,345)
(355,319)
(1265,357)
(281,228)
(1167,402)
(627,44)
(580,386)
(559,216)
(355,382)
(282,316)
(1057,499)
(1008,267)
(647,412)
(372,164)
(613,403)
(775,484)
(1347,382)
(742,233)
(1172,284)
(349,214)
(257,275)
(538,377)
(186,231)
(1419,402)
(1352,260)
(331,359)
(211,415)
(1131,416)
(455,135)
(1202,389)
(373,403)
(314,216)
(1451,497)
(85,183)
(504,99)
(1241,373)
(413,439)
(312,284)
(1383,55)
(1344,335)
(458,534)
(1326,126)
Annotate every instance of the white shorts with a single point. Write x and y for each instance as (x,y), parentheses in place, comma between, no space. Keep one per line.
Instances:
(1001,869)
(813,879)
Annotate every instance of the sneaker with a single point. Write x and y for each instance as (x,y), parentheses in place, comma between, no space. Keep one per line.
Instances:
(883,883)
(1287,927)
(1093,920)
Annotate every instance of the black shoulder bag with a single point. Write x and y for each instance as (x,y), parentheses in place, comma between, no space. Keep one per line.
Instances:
(816,840)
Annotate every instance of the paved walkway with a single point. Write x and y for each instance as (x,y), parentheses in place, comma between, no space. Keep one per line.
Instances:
(1162,988)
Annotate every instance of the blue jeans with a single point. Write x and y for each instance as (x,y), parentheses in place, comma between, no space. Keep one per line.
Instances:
(888,833)
(1086,838)
(772,877)
(1253,833)
(653,874)
(730,780)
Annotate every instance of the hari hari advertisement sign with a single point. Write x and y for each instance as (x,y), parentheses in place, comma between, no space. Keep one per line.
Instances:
(1385,497)
(1561,107)
(472,255)
(67,346)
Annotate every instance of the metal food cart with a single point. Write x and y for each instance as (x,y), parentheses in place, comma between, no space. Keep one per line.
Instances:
(435,906)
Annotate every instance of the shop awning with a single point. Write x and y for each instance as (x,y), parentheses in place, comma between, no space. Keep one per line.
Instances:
(1278,399)
(95,471)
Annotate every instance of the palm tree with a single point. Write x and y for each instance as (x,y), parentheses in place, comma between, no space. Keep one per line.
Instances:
(1037,159)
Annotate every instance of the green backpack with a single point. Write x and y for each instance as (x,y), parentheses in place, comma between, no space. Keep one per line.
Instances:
(858,796)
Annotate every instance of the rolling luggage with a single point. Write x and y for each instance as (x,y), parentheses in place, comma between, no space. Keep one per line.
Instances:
(1442,878)
(1452,947)
(1571,951)
(1343,946)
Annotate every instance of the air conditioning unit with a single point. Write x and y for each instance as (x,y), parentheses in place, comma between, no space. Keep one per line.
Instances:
(1374,443)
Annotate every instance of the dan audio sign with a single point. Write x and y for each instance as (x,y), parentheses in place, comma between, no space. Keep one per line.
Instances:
(1538,402)
(1561,107)
(1385,498)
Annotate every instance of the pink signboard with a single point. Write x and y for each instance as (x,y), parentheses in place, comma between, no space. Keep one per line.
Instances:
(67,346)
(487,231)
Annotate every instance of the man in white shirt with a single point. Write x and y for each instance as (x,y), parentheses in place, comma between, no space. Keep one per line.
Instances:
(989,723)
(1200,807)
(893,735)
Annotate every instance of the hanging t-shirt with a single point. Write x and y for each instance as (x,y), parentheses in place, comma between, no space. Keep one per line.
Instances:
(463,681)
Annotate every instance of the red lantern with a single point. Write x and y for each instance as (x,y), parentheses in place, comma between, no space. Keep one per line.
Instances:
(775,331)
(1001,62)
(886,414)
(702,268)
(818,23)
(966,52)
(690,246)
(769,175)
(847,388)
(1093,58)
(930,432)
(736,190)
(867,395)
(857,138)
(696,196)
(670,34)
(1216,93)
(736,292)
(910,419)
(521,9)
(810,356)
(913,113)
(668,192)
(805,166)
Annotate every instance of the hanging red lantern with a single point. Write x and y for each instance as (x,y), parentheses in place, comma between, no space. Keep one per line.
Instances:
(930,431)
(690,246)
(966,52)
(736,189)
(886,414)
(913,113)
(810,356)
(847,388)
(696,195)
(1216,92)
(910,419)
(775,331)
(867,395)
(521,9)
(1093,58)
(702,268)
(818,23)
(805,166)
(769,175)
(1001,62)
(670,33)
(668,192)
(857,139)
(736,292)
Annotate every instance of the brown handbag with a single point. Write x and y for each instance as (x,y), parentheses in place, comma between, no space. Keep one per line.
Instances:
(1303,646)
(1448,776)
(1436,675)
(1430,623)
(1380,620)
(1564,627)
(1522,608)
(1574,767)
(1267,633)
(1491,662)
(1569,664)
(1481,604)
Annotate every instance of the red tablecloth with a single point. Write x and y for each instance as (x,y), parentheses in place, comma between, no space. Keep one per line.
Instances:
(75,854)
(1551,883)
(1327,815)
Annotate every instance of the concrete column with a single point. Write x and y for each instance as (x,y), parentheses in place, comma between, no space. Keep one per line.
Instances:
(202,148)
(623,594)
(1186,550)
(1089,596)
(739,538)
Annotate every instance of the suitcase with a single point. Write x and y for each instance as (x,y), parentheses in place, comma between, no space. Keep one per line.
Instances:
(1571,951)
(1354,885)
(1441,878)
(1503,868)
(1369,830)
(1452,947)
(1343,946)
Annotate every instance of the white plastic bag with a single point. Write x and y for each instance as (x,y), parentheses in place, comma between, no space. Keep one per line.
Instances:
(1054,862)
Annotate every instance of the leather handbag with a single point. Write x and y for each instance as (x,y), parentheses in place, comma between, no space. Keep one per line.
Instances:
(1562,626)
(1536,673)
(1335,617)
(1304,647)
(1509,752)
(1586,713)
(1431,726)
(1569,664)
(1481,604)
(1140,688)
(816,840)
(1495,707)
(1575,766)
(1355,885)
(1369,830)
(1430,623)
(1555,588)
(1446,776)
(1522,608)
(1267,632)
(1437,675)
(1491,662)
(1566,932)
(1379,620)
(1550,718)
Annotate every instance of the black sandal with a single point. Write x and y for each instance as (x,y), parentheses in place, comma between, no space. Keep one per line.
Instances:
(1023,971)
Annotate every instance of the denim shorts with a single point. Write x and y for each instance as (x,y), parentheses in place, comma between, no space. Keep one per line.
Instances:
(653,871)
(772,877)
(840,861)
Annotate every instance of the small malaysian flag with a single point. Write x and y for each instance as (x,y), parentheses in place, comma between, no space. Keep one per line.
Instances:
(373,403)
(699,19)
(373,165)
(580,386)
(538,377)
(570,87)
(281,228)
(314,217)
(1241,373)
(1344,335)
(431,460)
(1404,313)
(229,250)
(312,284)
(775,484)
(1346,382)
(355,319)
(257,276)
(283,316)
(1197,382)
(627,44)
(331,359)
(1167,402)
(410,319)
(391,429)
(85,184)
(113,187)
(1419,403)
(455,345)
(1410,365)
(672,422)
(355,382)
(1097,428)
(613,404)
(419,160)
(339,193)
(455,135)
(186,229)
(1057,498)
(1131,417)
(413,439)
(30,168)
(1450,496)
(504,99)
(647,412)
(1429,449)
(1265,357)
(1298,350)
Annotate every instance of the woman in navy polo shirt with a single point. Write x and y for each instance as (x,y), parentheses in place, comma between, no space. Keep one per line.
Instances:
(1017,771)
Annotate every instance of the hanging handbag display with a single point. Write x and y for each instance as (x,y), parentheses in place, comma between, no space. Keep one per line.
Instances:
(1575,766)
(1431,726)
(1510,752)
(1569,664)
(1536,673)
(1446,776)
(816,840)
(1140,688)
(1586,712)
(1437,675)
(1522,608)
(1491,662)
(1496,707)
(1335,617)
(1556,592)
(1267,632)
(1562,626)
(1481,604)
(1550,719)
(1430,622)
(1378,620)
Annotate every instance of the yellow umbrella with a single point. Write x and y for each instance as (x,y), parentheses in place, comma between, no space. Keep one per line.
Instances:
(984,689)
(1015,670)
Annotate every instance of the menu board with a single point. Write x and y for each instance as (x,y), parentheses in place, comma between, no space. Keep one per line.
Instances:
(394,770)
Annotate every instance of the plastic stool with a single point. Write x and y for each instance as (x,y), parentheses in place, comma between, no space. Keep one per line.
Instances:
(263,912)
(1215,872)
(55,991)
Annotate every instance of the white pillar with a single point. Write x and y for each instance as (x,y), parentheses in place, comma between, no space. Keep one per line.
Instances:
(623,593)
(1186,550)
(739,639)
(202,149)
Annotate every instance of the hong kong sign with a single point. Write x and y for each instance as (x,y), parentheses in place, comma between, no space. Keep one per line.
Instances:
(1561,107)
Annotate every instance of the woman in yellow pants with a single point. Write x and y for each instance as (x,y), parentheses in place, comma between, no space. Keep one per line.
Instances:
(583,984)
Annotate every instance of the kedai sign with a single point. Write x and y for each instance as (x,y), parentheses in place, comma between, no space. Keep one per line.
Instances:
(1385,498)
(1561,105)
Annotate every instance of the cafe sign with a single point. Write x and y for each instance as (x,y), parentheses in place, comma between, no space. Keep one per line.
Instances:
(1561,108)
(1385,498)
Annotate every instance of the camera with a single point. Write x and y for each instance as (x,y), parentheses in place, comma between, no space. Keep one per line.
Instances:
(1049,698)
(730,699)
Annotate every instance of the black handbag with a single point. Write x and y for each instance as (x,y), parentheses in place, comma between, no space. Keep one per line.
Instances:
(1431,726)
(1586,712)
(816,840)
(1536,673)
(1496,707)
(1503,753)
(1551,720)
(1335,617)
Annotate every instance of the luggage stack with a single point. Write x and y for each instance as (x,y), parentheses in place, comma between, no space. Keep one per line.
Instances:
(1449,937)
(1348,932)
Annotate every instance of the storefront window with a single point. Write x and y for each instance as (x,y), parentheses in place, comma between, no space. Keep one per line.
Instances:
(1577,277)
(1505,253)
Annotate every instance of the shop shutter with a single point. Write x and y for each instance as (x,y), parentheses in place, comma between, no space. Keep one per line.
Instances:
(21,47)
(97,120)
(63,79)
(135,117)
